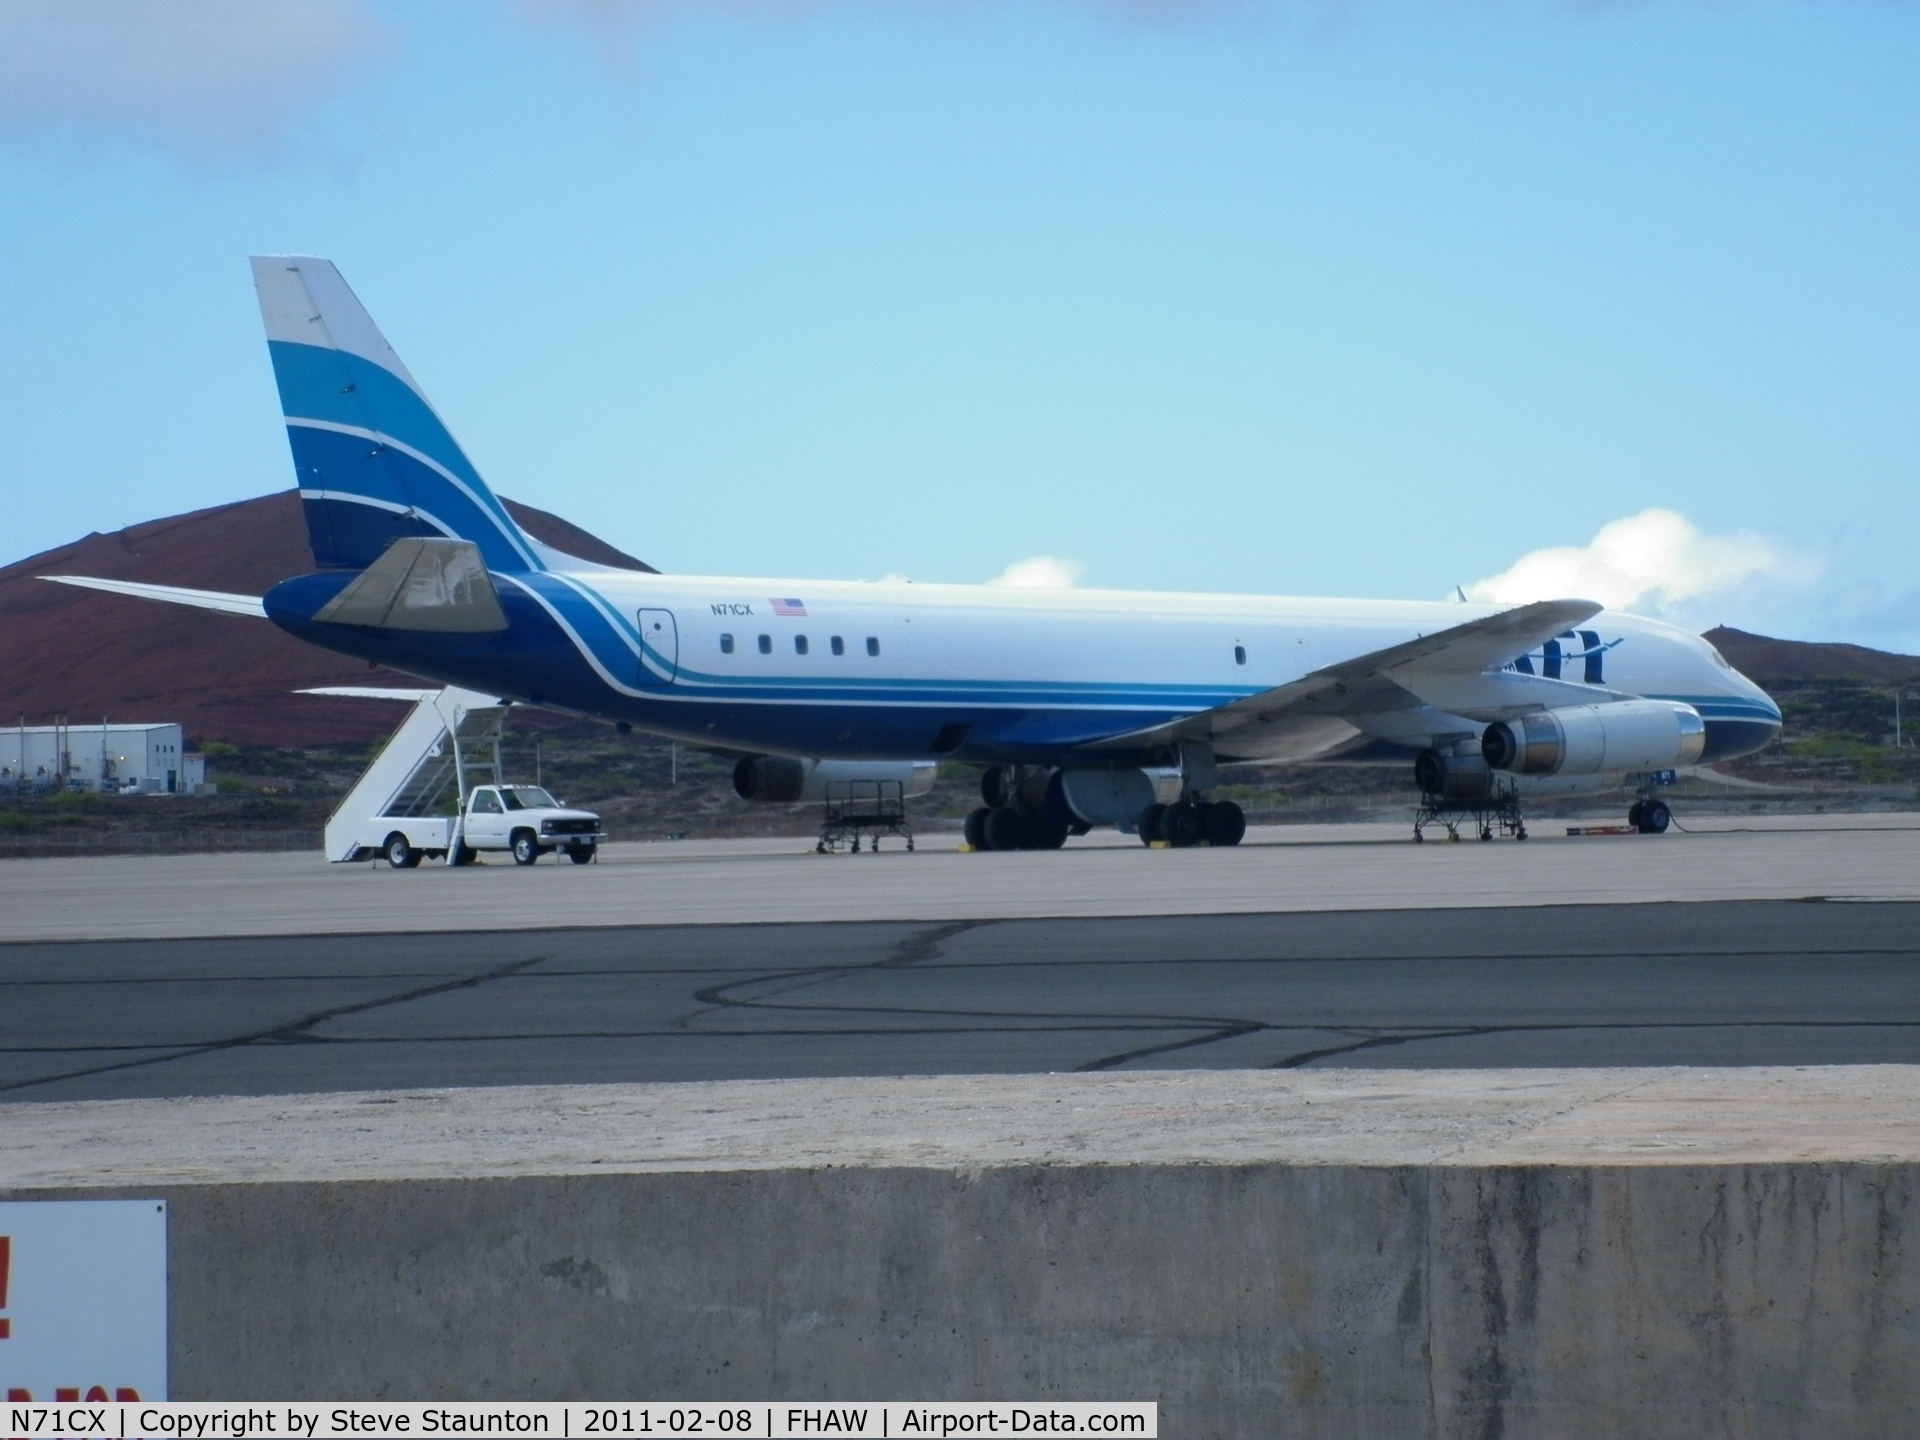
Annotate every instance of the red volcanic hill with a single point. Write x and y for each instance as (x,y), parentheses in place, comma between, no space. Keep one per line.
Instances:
(85,654)
(1761,659)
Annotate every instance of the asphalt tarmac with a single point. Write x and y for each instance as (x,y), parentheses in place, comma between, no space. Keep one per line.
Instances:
(1738,982)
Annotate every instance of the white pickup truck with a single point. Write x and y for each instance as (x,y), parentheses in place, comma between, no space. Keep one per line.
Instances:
(523,820)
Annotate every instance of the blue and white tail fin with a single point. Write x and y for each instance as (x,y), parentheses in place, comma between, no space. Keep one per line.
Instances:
(372,459)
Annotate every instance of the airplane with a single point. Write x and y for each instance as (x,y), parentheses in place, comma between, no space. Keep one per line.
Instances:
(1081,707)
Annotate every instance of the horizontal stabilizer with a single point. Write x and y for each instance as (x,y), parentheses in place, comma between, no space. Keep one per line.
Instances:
(421,584)
(200,599)
(370,692)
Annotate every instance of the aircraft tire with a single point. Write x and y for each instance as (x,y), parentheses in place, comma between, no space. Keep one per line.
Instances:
(1634,811)
(526,849)
(464,854)
(1655,817)
(976,828)
(580,854)
(1042,833)
(1149,823)
(1003,828)
(1180,827)
(1226,823)
(400,855)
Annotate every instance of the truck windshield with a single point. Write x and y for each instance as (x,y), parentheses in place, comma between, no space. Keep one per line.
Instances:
(527,797)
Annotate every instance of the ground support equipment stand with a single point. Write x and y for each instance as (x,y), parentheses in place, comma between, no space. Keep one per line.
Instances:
(1493,812)
(857,808)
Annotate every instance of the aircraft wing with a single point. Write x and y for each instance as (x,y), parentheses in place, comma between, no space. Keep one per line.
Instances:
(1304,717)
(200,599)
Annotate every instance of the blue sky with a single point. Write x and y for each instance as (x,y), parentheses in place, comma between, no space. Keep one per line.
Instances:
(1359,298)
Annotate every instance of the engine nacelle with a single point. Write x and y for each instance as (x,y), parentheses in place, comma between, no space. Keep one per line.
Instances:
(1619,739)
(795,780)
(1452,777)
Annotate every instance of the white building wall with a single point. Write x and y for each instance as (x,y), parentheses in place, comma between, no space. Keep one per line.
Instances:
(96,757)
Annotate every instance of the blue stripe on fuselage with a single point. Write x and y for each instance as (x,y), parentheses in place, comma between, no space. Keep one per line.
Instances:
(553,624)
(534,659)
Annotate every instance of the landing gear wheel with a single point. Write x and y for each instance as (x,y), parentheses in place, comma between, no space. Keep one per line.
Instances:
(526,849)
(400,854)
(580,854)
(994,787)
(1180,826)
(1226,823)
(1004,828)
(975,829)
(1655,817)
(1149,823)
(1634,812)
(1521,833)
(1042,833)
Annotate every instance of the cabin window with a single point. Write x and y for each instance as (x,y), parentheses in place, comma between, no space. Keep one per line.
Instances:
(1239,654)
(873,644)
(799,644)
(839,645)
(766,644)
(726,644)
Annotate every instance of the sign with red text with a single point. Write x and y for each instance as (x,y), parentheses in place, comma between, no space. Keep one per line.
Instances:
(83,1300)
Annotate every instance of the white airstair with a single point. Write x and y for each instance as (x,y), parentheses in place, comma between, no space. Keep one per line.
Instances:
(446,746)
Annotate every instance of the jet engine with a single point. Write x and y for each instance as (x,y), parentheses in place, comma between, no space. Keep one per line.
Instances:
(1622,739)
(790,780)
(1452,776)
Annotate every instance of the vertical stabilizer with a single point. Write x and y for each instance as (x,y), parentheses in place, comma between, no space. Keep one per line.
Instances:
(373,460)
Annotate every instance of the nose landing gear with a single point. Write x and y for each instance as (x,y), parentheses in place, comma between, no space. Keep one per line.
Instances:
(1649,817)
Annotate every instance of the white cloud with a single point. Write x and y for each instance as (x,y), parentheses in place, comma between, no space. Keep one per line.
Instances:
(1040,572)
(209,81)
(1656,560)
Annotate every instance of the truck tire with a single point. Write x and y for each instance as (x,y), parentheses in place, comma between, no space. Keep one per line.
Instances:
(580,854)
(400,852)
(526,847)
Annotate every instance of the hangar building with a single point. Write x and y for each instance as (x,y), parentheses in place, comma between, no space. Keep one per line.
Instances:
(129,759)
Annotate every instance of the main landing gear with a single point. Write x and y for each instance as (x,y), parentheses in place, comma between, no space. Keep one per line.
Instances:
(1027,809)
(1190,822)
(1002,827)
(1019,814)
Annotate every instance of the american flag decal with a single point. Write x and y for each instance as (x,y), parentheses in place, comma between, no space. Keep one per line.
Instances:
(788,607)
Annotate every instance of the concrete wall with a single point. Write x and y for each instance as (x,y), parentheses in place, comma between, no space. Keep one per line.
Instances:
(1670,1253)
(1259,1300)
